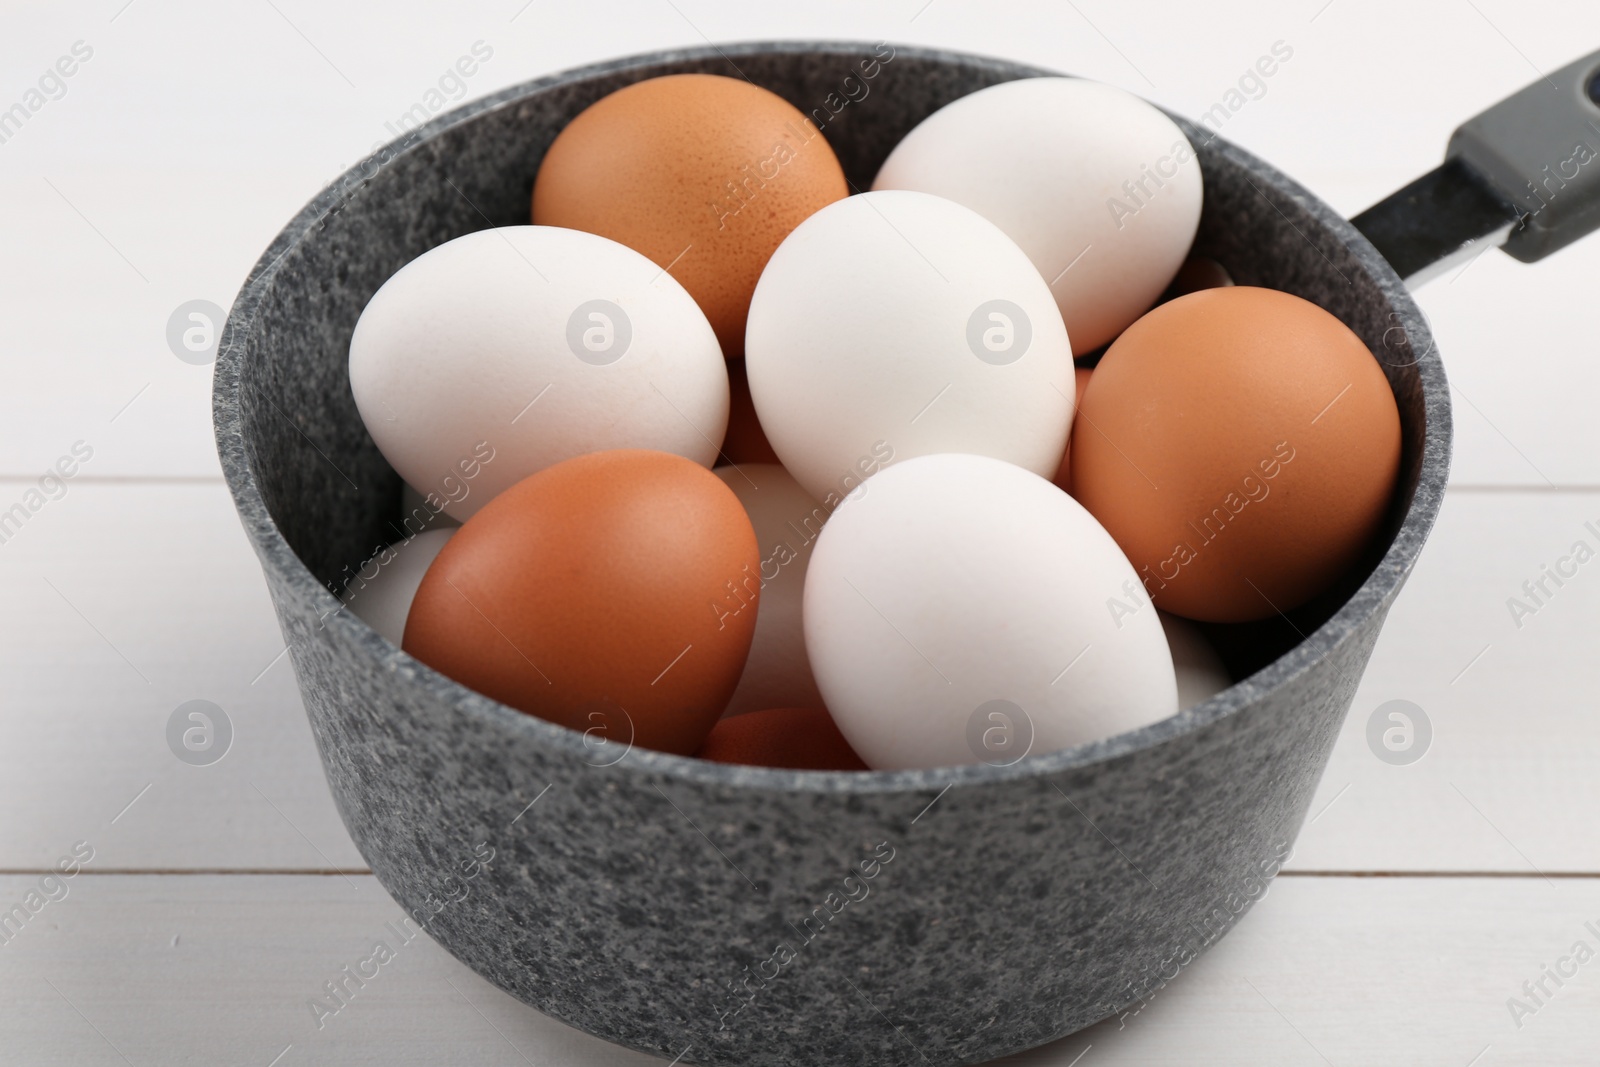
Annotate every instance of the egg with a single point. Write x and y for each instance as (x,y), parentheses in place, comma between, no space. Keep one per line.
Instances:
(619,584)
(1245,449)
(703,174)
(381,591)
(1063,476)
(896,324)
(787,521)
(1199,669)
(802,739)
(497,354)
(964,610)
(746,441)
(1197,273)
(1101,189)
(415,509)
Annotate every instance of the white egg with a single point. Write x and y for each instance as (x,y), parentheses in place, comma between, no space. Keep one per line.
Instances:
(499,353)
(1100,188)
(418,513)
(963,610)
(380,593)
(787,520)
(891,325)
(1200,672)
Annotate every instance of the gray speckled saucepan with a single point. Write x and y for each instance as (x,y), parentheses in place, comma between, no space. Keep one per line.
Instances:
(748,916)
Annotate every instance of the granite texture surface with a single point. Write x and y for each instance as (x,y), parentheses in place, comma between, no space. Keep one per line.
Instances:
(750,916)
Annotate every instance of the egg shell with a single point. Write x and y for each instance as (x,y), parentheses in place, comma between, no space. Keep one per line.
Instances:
(956,584)
(787,522)
(802,739)
(1063,477)
(596,594)
(381,591)
(1101,189)
(497,354)
(1244,451)
(417,511)
(1197,273)
(895,324)
(1201,674)
(703,174)
(746,441)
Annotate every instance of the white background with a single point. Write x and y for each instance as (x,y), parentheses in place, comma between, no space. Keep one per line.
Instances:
(1420,898)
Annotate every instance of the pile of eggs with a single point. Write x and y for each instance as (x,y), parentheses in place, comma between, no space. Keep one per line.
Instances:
(730,460)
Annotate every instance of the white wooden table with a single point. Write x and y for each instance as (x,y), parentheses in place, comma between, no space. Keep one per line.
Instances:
(218,899)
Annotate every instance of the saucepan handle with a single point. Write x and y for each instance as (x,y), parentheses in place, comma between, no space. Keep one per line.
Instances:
(1524,175)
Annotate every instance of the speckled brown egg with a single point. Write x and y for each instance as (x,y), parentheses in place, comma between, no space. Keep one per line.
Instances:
(1241,445)
(703,174)
(613,592)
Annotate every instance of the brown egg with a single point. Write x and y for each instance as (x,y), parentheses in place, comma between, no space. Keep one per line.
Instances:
(1063,478)
(801,739)
(613,591)
(705,175)
(1197,273)
(1241,445)
(746,441)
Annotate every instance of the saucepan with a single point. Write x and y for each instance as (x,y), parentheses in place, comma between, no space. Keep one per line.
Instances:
(750,916)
